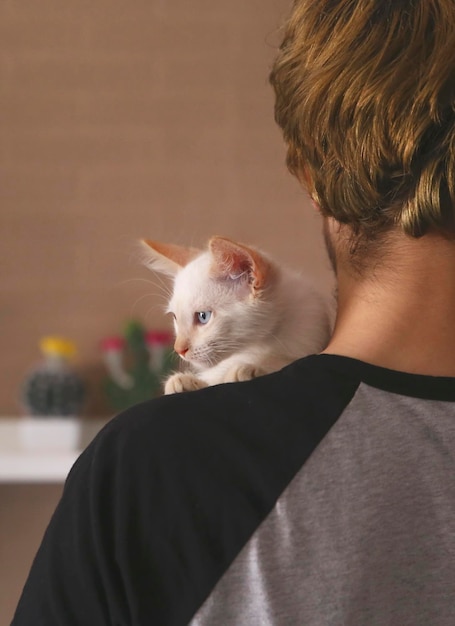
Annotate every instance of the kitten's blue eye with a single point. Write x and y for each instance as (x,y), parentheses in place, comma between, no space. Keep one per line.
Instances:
(202,317)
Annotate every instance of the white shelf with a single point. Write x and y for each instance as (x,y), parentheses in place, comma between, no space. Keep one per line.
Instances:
(20,463)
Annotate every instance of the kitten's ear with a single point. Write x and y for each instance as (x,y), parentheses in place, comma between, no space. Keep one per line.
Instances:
(167,258)
(233,260)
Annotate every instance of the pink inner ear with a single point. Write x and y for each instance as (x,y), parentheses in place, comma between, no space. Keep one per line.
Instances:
(238,264)
(235,259)
(178,254)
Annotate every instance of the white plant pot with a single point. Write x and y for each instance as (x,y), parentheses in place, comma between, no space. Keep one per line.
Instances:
(50,433)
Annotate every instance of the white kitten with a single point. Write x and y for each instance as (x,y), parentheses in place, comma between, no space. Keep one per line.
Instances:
(237,314)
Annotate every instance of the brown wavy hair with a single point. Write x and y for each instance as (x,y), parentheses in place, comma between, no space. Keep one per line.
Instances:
(365,96)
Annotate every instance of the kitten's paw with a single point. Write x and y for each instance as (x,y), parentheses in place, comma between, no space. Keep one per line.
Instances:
(240,373)
(177,383)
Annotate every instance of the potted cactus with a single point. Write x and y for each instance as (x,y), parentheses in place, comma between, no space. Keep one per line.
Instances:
(136,364)
(53,397)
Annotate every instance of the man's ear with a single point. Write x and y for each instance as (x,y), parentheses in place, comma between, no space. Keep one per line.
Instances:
(235,260)
(167,258)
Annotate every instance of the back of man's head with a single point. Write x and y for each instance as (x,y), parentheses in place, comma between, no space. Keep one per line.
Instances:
(365,95)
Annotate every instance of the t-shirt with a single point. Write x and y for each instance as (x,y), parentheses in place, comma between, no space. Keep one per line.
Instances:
(320,495)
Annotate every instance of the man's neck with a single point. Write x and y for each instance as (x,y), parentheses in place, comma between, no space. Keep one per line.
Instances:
(402,315)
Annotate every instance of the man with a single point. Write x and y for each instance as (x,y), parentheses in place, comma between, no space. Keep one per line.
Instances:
(323,494)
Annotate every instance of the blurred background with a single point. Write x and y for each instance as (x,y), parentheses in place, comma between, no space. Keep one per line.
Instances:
(121,120)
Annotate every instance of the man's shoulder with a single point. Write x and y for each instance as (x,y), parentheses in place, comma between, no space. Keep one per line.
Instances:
(193,475)
(298,400)
(301,384)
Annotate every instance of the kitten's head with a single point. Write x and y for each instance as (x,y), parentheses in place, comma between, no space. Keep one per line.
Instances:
(219,302)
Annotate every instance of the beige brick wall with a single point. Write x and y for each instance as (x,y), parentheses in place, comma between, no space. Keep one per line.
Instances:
(121,119)
(126,119)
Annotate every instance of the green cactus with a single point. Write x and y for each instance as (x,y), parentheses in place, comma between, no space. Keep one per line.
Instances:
(132,378)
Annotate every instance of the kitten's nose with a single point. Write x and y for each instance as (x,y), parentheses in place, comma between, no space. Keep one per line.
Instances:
(180,349)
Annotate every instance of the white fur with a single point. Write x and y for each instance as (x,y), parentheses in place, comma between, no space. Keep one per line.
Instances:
(249,333)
